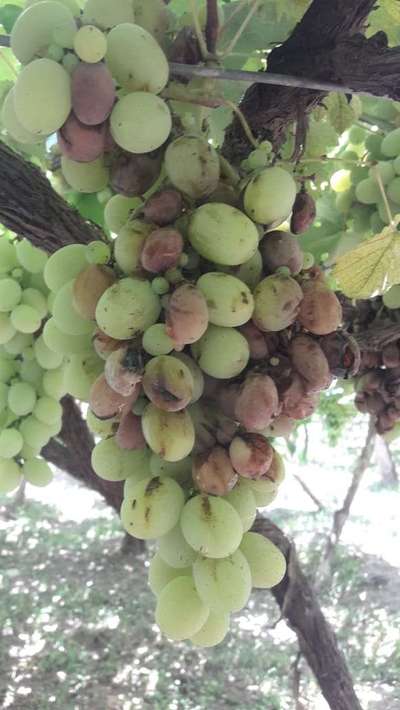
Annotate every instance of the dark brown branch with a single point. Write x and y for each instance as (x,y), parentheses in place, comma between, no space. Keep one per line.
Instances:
(318,644)
(380,334)
(30,207)
(212,25)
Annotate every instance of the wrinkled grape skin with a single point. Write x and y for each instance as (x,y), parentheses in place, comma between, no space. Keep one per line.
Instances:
(168,383)
(124,370)
(186,315)
(79,142)
(104,345)
(88,288)
(320,310)
(296,402)
(310,362)
(129,433)
(93,93)
(279,249)
(164,207)
(132,175)
(257,403)
(277,302)
(304,212)
(162,250)
(251,455)
(105,403)
(213,473)
(256,340)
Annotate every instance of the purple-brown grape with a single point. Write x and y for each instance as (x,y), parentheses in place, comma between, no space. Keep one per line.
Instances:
(168,383)
(277,303)
(186,315)
(162,250)
(89,286)
(129,433)
(310,362)
(132,175)
(281,249)
(124,369)
(80,142)
(164,207)
(257,403)
(256,340)
(320,310)
(213,473)
(105,403)
(304,212)
(93,93)
(251,455)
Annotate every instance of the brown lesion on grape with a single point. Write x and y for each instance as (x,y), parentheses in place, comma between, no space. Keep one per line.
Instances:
(147,513)
(153,486)
(244,297)
(133,505)
(206,506)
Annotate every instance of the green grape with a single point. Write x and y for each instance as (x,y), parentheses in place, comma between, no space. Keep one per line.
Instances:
(390,145)
(129,244)
(153,508)
(393,191)
(169,434)
(28,452)
(168,383)
(382,210)
(25,319)
(3,396)
(242,499)
(135,60)
(357,135)
(85,177)
(35,433)
(197,375)
(8,368)
(361,215)
(160,285)
(8,256)
(64,265)
(11,123)
(386,170)
(37,281)
(18,274)
(134,478)
(373,145)
(127,308)
(180,613)
(106,14)
(221,352)
(223,585)
(48,410)
(277,300)
(161,574)
(90,44)
(174,549)
(396,165)
(64,343)
(47,359)
(223,234)
(229,300)
(31,258)
(37,472)
(34,28)
(100,427)
(192,166)
(118,210)
(10,294)
(266,561)
(156,341)
(264,490)
(269,197)
(42,97)
(30,371)
(391,298)
(309,260)
(211,526)
(53,383)
(10,476)
(81,371)
(11,443)
(55,52)
(376,223)
(251,272)
(65,315)
(212,632)
(7,330)
(181,470)
(341,180)
(70,62)
(114,464)
(18,344)
(36,299)
(98,253)
(140,122)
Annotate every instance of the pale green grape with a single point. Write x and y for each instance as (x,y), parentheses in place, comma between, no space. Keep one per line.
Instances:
(127,308)
(90,44)
(386,170)
(18,344)
(168,383)
(211,526)
(266,561)
(63,343)
(81,371)
(10,475)
(161,574)
(180,613)
(118,210)
(47,359)
(376,223)
(48,410)
(55,52)
(8,368)
(129,244)
(65,316)
(153,508)
(30,371)
(64,265)
(36,299)
(34,28)
(98,253)
(10,294)
(115,464)
(25,319)
(3,396)
(242,499)
(192,166)
(11,443)
(8,256)
(135,60)
(367,191)
(160,285)
(391,298)
(106,14)
(37,472)
(35,433)
(181,470)
(341,180)
(140,122)
(28,452)
(134,478)
(393,190)
(153,16)
(229,300)
(223,585)
(169,434)
(396,165)
(85,177)
(100,427)
(264,490)
(31,258)
(223,234)
(37,280)
(156,341)
(251,272)
(42,97)
(70,62)
(174,549)
(212,632)
(269,197)
(197,375)
(390,145)
(11,123)
(277,300)
(7,330)
(53,383)
(221,352)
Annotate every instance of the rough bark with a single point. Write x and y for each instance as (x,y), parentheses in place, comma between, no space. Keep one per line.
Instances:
(30,206)
(318,643)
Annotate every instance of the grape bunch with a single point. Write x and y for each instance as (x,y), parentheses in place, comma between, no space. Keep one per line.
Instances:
(31,374)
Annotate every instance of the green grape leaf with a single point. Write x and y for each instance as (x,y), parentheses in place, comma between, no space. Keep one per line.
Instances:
(8,16)
(385,17)
(372,267)
(340,112)
(321,137)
